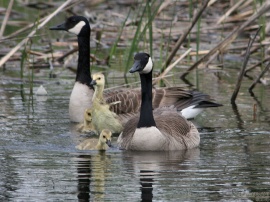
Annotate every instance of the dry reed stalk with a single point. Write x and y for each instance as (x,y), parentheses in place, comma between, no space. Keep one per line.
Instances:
(169,68)
(259,77)
(246,4)
(4,23)
(50,55)
(164,5)
(19,45)
(202,52)
(242,71)
(229,39)
(232,9)
(184,35)
(60,59)
(211,2)
(239,17)
(35,53)
(257,64)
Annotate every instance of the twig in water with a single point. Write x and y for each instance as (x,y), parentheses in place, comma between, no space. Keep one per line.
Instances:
(258,64)
(242,72)
(259,77)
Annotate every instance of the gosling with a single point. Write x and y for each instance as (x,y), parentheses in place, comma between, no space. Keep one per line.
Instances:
(102,144)
(87,125)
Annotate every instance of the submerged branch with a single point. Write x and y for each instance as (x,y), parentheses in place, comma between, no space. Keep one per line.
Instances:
(242,72)
(259,77)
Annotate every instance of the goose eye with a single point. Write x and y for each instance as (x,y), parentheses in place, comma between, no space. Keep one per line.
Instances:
(104,136)
(89,114)
(99,78)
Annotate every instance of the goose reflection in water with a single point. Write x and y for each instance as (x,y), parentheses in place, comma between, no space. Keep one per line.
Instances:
(97,174)
(91,176)
(151,166)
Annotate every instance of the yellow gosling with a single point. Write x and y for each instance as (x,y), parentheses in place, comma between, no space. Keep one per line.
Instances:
(102,117)
(103,143)
(87,125)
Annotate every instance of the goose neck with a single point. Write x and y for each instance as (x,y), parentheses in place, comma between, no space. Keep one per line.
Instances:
(146,113)
(98,94)
(83,69)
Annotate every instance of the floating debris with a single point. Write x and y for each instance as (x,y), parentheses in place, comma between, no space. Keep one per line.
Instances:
(41,91)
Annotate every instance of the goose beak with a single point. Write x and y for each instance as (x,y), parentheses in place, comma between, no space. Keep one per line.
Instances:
(59,27)
(136,67)
(93,82)
(108,142)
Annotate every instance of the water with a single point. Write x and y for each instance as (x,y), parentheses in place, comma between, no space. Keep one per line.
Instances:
(39,161)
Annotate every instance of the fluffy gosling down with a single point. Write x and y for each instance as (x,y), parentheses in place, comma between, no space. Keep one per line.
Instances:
(87,125)
(163,129)
(102,117)
(103,143)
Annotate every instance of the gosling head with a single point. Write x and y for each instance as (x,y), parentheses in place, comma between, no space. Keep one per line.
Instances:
(98,80)
(88,115)
(78,25)
(142,63)
(105,137)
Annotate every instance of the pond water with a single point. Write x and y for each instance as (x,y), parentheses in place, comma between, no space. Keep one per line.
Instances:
(39,161)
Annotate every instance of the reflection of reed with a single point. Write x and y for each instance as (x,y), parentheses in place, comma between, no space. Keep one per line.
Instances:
(240,122)
(91,176)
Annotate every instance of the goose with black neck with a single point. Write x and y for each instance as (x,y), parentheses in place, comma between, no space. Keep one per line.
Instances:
(190,103)
(158,130)
(82,93)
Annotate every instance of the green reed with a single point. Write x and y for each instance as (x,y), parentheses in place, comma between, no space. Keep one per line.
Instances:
(150,11)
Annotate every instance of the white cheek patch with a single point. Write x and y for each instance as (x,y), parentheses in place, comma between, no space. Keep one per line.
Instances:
(148,67)
(76,30)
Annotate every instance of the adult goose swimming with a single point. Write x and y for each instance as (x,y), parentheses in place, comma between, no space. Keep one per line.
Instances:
(158,130)
(81,96)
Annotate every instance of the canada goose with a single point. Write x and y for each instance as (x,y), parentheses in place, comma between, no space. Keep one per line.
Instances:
(163,129)
(87,125)
(81,96)
(102,116)
(102,143)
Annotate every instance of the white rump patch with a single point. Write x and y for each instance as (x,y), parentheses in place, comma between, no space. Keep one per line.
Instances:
(191,112)
(148,67)
(78,27)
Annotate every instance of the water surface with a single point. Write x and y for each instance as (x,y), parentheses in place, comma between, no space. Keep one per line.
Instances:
(39,161)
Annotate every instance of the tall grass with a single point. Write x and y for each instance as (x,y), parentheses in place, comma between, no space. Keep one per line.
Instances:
(144,16)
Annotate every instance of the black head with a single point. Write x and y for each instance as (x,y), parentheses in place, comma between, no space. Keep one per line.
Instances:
(78,25)
(142,64)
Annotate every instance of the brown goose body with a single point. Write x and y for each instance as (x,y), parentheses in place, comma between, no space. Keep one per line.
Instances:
(82,93)
(178,97)
(163,129)
(172,132)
